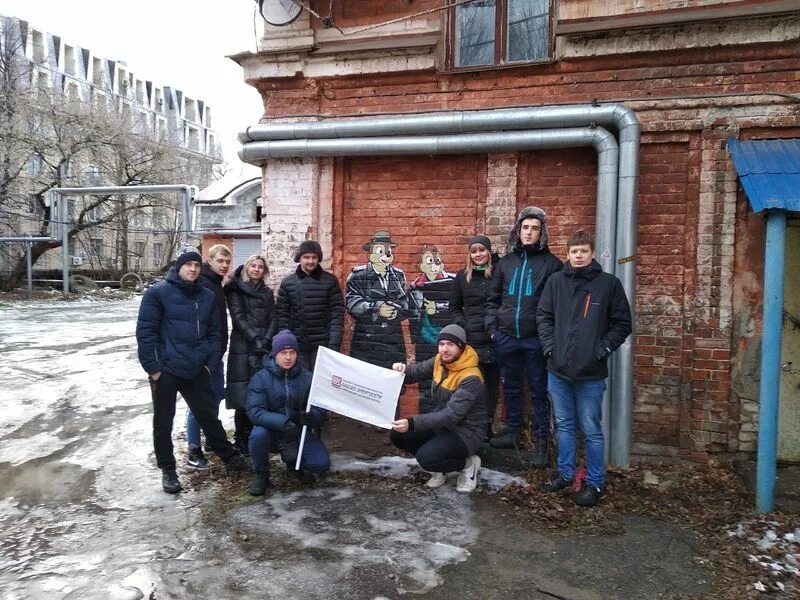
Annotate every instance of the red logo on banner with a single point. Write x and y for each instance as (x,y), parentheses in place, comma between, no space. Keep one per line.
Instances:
(336,381)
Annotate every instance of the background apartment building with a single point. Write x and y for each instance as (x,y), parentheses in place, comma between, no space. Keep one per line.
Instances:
(77,119)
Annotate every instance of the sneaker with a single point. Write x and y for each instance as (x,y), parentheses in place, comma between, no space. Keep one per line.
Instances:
(468,479)
(436,480)
(196,459)
(556,482)
(589,495)
(541,454)
(510,440)
(169,481)
(236,464)
(259,484)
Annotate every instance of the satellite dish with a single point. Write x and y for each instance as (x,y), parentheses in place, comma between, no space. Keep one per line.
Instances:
(279,12)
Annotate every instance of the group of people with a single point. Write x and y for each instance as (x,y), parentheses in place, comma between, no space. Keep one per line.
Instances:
(524,316)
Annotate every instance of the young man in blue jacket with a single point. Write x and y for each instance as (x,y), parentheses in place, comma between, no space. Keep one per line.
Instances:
(276,402)
(517,284)
(179,346)
(583,317)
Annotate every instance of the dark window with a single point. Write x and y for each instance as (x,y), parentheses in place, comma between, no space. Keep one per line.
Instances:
(496,32)
(258,213)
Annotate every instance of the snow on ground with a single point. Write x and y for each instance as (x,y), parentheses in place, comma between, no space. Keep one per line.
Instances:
(775,551)
(82,514)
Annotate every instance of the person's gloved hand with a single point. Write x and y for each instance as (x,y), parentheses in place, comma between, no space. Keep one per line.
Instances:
(308,419)
(259,346)
(603,353)
(291,433)
(548,354)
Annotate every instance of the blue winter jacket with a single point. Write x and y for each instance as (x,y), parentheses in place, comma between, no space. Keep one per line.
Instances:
(276,396)
(178,328)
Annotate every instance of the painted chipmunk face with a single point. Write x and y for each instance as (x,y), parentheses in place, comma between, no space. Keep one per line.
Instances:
(381,257)
(431,263)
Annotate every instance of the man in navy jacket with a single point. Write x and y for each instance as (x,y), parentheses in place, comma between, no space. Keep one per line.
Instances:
(179,345)
(583,317)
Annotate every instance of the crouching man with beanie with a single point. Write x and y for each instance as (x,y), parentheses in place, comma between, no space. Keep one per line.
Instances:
(178,337)
(447,439)
(276,400)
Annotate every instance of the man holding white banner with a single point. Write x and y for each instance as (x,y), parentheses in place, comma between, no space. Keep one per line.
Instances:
(276,404)
(447,439)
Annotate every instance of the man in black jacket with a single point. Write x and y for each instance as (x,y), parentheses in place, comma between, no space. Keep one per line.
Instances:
(517,284)
(212,277)
(310,305)
(583,317)
(178,345)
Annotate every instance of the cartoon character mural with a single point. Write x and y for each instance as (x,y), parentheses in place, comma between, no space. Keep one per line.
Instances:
(429,297)
(376,299)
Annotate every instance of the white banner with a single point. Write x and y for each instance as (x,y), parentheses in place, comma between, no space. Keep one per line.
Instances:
(355,389)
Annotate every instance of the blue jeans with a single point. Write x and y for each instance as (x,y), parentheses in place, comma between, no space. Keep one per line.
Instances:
(218,390)
(263,441)
(581,401)
(516,356)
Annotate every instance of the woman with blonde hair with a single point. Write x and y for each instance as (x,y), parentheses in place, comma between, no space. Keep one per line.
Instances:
(468,310)
(251,303)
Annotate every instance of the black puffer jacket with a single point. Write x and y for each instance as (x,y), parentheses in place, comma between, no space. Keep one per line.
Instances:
(311,307)
(253,316)
(582,311)
(468,309)
(213,282)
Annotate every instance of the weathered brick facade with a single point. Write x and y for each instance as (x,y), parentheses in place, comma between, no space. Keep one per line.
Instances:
(700,250)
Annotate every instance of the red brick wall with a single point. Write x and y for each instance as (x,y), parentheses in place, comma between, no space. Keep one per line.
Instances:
(212,239)
(691,306)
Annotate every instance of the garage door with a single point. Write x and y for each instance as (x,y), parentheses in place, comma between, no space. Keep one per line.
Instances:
(244,247)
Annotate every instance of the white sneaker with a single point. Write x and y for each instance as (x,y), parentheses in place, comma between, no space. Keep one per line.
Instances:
(468,479)
(436,480)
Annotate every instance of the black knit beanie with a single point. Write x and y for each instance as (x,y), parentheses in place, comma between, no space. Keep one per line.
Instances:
(481,239)
(189,256)
(308,247)
(453,333)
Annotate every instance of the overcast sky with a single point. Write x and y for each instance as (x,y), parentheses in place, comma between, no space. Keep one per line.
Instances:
(180,43)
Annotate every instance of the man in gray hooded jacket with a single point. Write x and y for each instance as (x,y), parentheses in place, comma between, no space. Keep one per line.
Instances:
(517,284)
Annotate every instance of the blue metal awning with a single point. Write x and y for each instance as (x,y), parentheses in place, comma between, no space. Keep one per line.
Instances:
(769,171)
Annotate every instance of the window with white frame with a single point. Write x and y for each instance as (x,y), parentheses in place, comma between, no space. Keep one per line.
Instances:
(158,253)
(96,247)
(498,32)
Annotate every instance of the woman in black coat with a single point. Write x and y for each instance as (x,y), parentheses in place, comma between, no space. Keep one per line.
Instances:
(251,304)
(468,309)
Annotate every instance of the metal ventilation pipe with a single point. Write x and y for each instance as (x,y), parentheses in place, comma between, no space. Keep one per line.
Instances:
(619,228)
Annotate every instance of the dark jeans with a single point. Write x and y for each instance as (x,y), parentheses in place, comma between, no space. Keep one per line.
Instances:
(218,389)
(263,441)
(439,451)
(516,356)
(491,383)
(198,395)
(308,358)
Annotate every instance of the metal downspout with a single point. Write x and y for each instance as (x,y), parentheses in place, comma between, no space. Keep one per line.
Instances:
(623,223)
(769,387)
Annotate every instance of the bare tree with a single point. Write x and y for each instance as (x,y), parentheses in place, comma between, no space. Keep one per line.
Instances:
(51,137)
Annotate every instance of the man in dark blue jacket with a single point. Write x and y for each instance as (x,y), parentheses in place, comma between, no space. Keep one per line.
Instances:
(517,283)
(583,317)
(178,338)
(276,404)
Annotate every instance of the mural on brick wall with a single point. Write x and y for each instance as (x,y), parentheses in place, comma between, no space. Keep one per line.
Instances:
(429,299)
(376,298)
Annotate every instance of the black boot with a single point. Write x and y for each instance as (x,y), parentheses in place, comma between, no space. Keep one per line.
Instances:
(259,484)
(302,476)
(169,481)
(236,464)
(510,440)
(540,457)
(588,496)
(556,483)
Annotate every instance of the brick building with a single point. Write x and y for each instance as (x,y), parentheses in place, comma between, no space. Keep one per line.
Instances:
(694,73)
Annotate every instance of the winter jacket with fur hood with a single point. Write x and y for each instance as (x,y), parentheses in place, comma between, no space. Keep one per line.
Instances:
(518,280)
